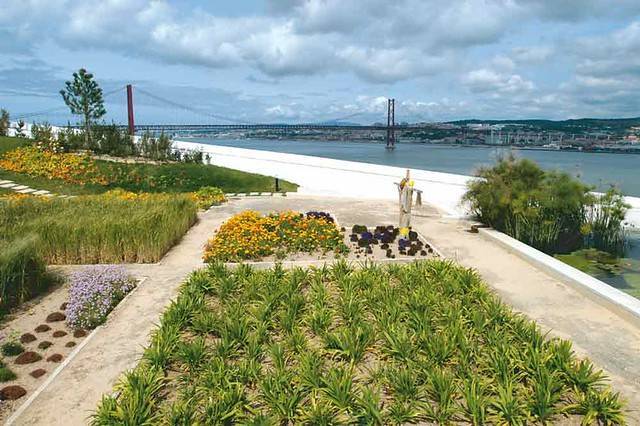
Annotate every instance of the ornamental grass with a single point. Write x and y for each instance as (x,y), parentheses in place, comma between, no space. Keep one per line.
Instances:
(23,272)
(423,343)
(116,227)
(251,235)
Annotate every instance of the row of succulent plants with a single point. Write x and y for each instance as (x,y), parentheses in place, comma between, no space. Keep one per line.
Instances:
(394,344)
(250,235)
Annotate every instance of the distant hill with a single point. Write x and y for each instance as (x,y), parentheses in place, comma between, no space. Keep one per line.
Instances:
(572,125)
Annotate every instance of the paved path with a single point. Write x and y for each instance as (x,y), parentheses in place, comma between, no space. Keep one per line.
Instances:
(609,340)
(23,189)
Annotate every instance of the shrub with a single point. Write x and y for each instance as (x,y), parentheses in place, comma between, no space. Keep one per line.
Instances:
(94,292)
(44,139)
(160,148)
(208,196)
(11,348)
(249,235)
(111,228)
(110,140)
(71,168)
(550,211)
(23,273)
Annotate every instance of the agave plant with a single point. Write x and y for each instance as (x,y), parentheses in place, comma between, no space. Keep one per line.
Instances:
(605,407)
(476,400)
(350,343)
(337,387)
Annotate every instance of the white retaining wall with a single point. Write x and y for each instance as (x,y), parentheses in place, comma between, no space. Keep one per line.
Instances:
(325,176)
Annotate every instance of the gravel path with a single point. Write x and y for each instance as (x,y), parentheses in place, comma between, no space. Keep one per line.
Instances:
(609,340)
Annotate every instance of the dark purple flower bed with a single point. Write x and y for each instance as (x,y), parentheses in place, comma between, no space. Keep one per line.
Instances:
(320,215)
(387,238)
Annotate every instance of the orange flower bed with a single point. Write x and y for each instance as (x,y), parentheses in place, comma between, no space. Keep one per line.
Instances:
(250,235)
(72,168)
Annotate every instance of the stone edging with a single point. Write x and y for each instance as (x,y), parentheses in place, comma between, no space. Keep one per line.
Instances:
(254,194)
(610,297)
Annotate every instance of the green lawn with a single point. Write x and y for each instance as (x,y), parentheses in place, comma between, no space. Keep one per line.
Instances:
(423,343)
(174,177)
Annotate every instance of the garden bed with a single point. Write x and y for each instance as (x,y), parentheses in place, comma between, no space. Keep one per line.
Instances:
(395,344)
(309,237)
(43,333)
(117,227)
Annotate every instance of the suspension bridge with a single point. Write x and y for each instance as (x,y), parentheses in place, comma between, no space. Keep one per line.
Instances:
(214,122)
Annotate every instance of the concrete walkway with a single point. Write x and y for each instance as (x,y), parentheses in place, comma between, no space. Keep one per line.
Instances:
(607,339)
(23,189)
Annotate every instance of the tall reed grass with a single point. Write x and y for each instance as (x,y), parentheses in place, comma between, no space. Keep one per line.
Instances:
(100,228)
(23,273)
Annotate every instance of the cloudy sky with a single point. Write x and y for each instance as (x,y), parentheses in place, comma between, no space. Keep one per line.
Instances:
(312,60)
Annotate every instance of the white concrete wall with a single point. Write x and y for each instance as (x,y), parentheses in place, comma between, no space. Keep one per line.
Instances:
(325,176)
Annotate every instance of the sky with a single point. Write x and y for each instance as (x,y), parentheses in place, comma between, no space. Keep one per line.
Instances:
(316,60)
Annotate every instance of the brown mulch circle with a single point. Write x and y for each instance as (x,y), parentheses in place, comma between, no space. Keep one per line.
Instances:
(27,338)
(70,344)
(12,392)
(45,345)
(38,373)
(28,358)
(56,316)
(59,333)
(79,333)
(55,358)
(42,328)
(63,307)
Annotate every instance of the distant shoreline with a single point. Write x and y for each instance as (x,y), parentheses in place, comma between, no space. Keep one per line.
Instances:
(448,145)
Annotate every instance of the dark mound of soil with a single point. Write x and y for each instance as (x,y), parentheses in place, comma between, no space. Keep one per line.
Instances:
(63,307)
(56,316)
(42,328)
(12,392)
(28,358)
(70,344)
(44,345)
(59,333)
(38,373)
(55,358)
(79,333)
(27,338)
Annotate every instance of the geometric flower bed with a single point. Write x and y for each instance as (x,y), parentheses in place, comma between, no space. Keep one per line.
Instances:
(250,235)
(39,344)
(388,240)
(393,344)
(94,292)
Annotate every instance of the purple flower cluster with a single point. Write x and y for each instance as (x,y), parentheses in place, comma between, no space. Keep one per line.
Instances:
(94,292)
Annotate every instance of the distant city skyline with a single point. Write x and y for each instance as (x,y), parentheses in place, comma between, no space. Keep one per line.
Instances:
(316,60)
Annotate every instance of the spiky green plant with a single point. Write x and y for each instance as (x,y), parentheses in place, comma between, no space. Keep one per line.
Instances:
(337,387)
(476,400)
(605,407)
(350,343)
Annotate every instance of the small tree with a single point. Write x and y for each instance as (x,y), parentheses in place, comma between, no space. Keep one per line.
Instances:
(83,96)
(4,122)
(20,129)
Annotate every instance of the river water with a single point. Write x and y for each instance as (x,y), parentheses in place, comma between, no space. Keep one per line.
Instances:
(598,169)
